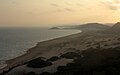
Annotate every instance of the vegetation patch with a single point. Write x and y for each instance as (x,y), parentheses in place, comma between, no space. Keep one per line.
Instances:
(70,55)
(54,58)
(38,63)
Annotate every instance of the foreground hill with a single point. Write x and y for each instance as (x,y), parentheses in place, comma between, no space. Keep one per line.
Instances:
(95,62)
(115,29)
(85,27)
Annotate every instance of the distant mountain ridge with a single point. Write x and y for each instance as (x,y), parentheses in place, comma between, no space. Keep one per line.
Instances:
(85,27)
(92,26)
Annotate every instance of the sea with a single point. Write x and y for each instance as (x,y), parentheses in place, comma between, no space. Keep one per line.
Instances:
(15,41)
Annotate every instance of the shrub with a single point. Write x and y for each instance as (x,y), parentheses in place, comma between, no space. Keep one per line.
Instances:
(38,63)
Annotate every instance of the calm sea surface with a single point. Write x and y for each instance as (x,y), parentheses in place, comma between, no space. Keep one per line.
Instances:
(16,41)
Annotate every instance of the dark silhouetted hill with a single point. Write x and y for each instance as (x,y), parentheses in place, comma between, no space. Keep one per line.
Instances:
(115,29)
(92,26)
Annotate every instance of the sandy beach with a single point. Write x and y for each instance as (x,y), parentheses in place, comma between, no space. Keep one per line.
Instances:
(41,49)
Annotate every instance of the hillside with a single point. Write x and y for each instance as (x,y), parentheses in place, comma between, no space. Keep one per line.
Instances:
(115,29)
(92,26)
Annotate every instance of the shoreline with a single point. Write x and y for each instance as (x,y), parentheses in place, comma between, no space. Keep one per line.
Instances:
(80,42)
(31,54)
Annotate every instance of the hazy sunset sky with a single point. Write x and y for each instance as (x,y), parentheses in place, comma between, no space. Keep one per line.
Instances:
(57,12)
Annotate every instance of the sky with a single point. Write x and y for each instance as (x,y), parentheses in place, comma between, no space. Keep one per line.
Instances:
(42,13)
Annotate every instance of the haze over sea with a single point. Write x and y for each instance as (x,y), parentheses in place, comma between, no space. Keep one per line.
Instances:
(16,41)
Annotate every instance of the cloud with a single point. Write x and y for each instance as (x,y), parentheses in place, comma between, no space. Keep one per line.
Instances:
(72,4)
(117,1)
(67,3)
(79,4)
(59,11)
(14,2)
(63,10)
(55,5)
(112,5)
(68,9)
(89,8)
